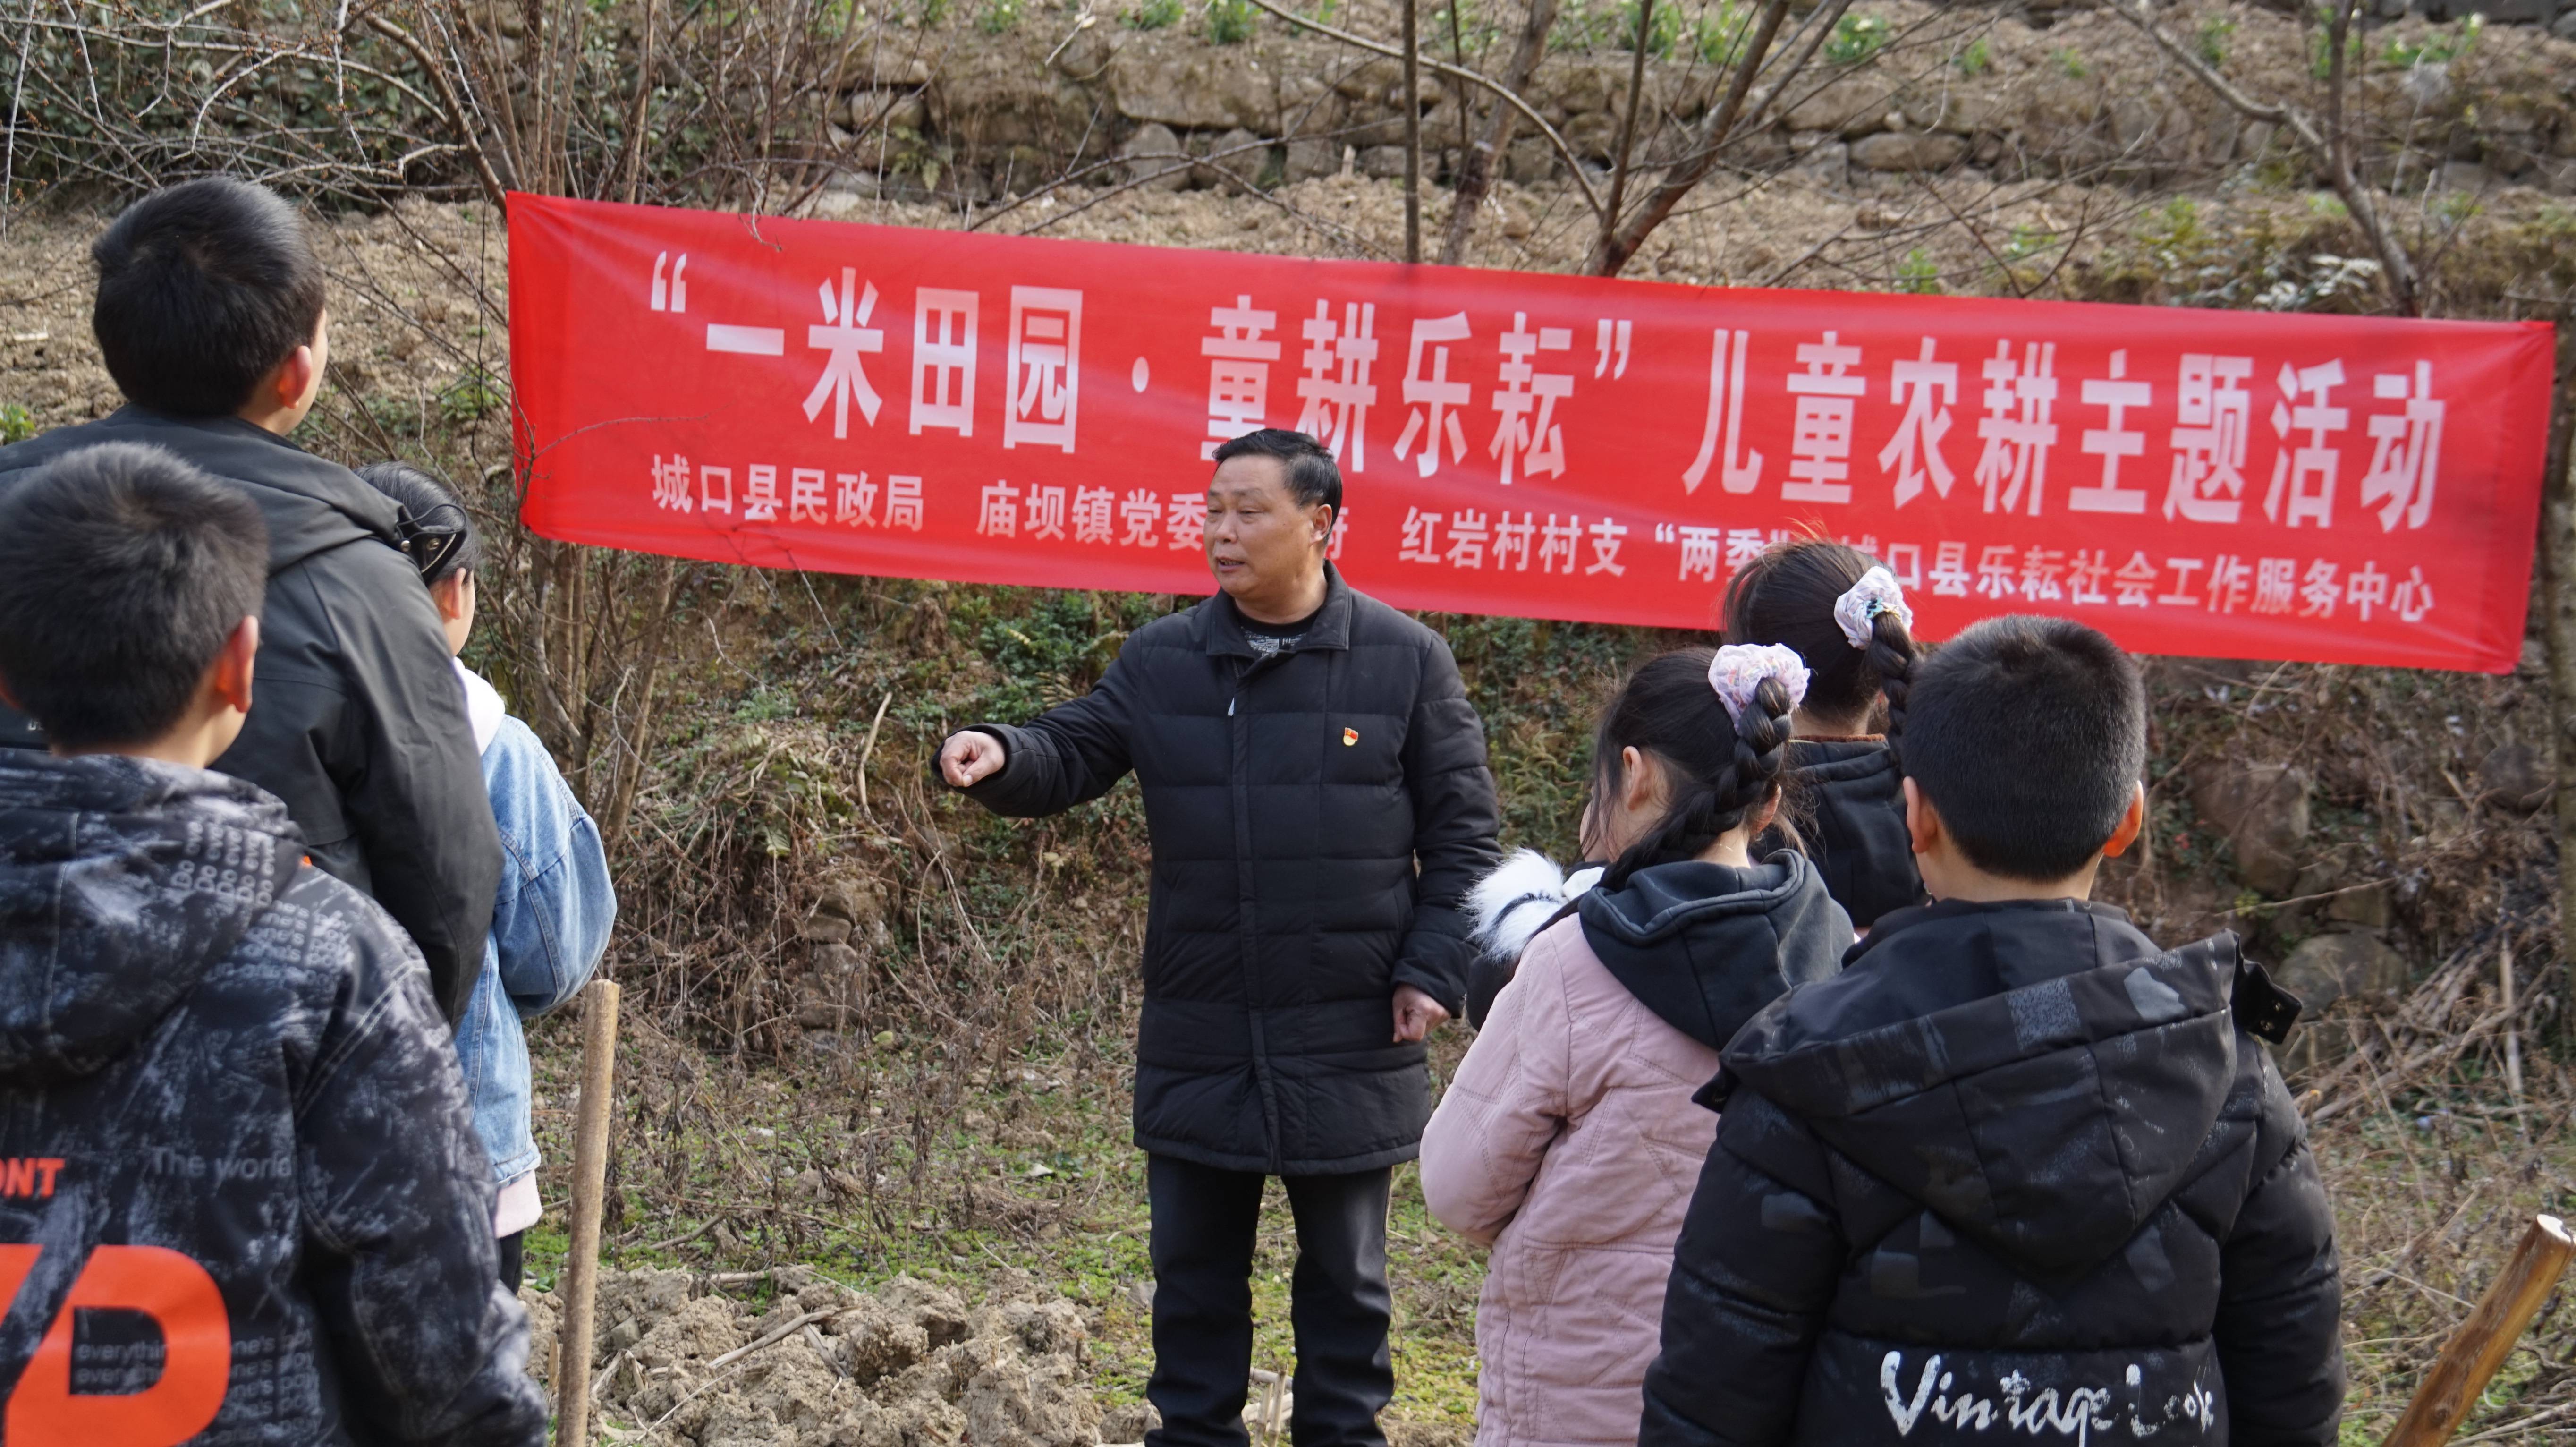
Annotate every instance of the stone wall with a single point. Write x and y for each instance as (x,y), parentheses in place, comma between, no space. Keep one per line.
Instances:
(962,115)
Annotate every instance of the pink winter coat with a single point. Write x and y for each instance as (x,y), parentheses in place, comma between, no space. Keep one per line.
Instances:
(1569,1143)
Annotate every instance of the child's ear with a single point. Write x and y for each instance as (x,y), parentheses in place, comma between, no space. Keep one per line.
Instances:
(1639,784)
(1922,822)
(230,676)
(2132,822)
(449,594)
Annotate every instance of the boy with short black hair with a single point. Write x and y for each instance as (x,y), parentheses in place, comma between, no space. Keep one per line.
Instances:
(210,315)
(2015,1171)
(245,1198)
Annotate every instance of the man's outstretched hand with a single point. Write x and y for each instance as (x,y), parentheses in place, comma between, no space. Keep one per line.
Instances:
(972,756)
(1416,1015)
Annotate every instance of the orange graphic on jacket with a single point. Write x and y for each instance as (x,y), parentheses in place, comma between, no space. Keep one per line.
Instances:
(197,1349)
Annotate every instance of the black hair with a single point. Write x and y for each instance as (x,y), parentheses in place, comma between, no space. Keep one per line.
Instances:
(430,509)
(1313,476)
(2029,735)
(202,288)
(1719,772)
(122,571)
(1787,596)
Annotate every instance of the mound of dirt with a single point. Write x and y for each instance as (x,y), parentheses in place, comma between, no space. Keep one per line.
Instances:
(823,1365)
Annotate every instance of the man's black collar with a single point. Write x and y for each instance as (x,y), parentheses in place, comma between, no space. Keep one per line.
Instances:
(1331,628)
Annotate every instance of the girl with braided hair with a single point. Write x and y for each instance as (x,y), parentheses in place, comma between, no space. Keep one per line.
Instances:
(1569,1141)
(1846,618)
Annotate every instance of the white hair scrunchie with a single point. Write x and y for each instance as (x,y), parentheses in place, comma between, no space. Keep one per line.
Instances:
(1739,669)
(1857,610)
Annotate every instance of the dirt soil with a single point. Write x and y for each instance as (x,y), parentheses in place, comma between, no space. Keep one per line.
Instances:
(815,1363)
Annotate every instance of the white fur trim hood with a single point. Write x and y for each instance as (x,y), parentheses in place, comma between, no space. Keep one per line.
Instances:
(1516,901)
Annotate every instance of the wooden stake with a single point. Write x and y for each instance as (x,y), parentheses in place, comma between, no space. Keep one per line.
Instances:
(2512,1035)
(2474,1353)
(580,1279)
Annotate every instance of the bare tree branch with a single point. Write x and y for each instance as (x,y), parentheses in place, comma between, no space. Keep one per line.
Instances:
(2327,145)
(635,120)
(1573,163)
(1616,246)
(448,103)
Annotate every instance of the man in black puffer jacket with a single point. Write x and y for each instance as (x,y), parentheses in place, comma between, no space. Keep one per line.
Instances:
(243,1204)
(209,316)
(1316,790)
(2015,1172)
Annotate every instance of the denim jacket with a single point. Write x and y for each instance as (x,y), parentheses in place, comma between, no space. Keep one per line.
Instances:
(550,924)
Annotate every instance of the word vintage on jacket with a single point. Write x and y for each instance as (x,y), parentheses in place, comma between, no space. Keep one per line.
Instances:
(1944,1399)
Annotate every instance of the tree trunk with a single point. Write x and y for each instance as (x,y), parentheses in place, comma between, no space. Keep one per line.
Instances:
(2558,560)
(1476,166)
(1627,133)
(1412,137)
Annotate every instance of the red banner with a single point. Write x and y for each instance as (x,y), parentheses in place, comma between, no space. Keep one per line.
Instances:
(997,409)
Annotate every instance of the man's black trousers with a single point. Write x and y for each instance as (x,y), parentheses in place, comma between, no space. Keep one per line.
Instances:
(1205,1220)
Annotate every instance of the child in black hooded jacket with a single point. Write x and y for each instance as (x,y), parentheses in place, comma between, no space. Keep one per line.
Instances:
(1846,616)
(2015,1172)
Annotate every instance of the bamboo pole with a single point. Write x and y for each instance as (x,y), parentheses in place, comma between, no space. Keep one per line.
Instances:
(2470,1359)
(573,1349)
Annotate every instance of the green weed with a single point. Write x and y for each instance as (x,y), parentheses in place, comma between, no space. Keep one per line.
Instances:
(1046,645)
(17,424)
(1663,28)
(1155,14)
(474,395)
(2437,47)
(2029,241)
(1857,38)
(1977,59)
(1718,36)
(2215,33)
(393,415)
(1919,275)
(1230,21)
(999,17)
(1476,31)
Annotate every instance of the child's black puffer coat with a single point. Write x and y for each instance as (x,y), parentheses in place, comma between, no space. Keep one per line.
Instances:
(1851,810)
(2014,1173)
